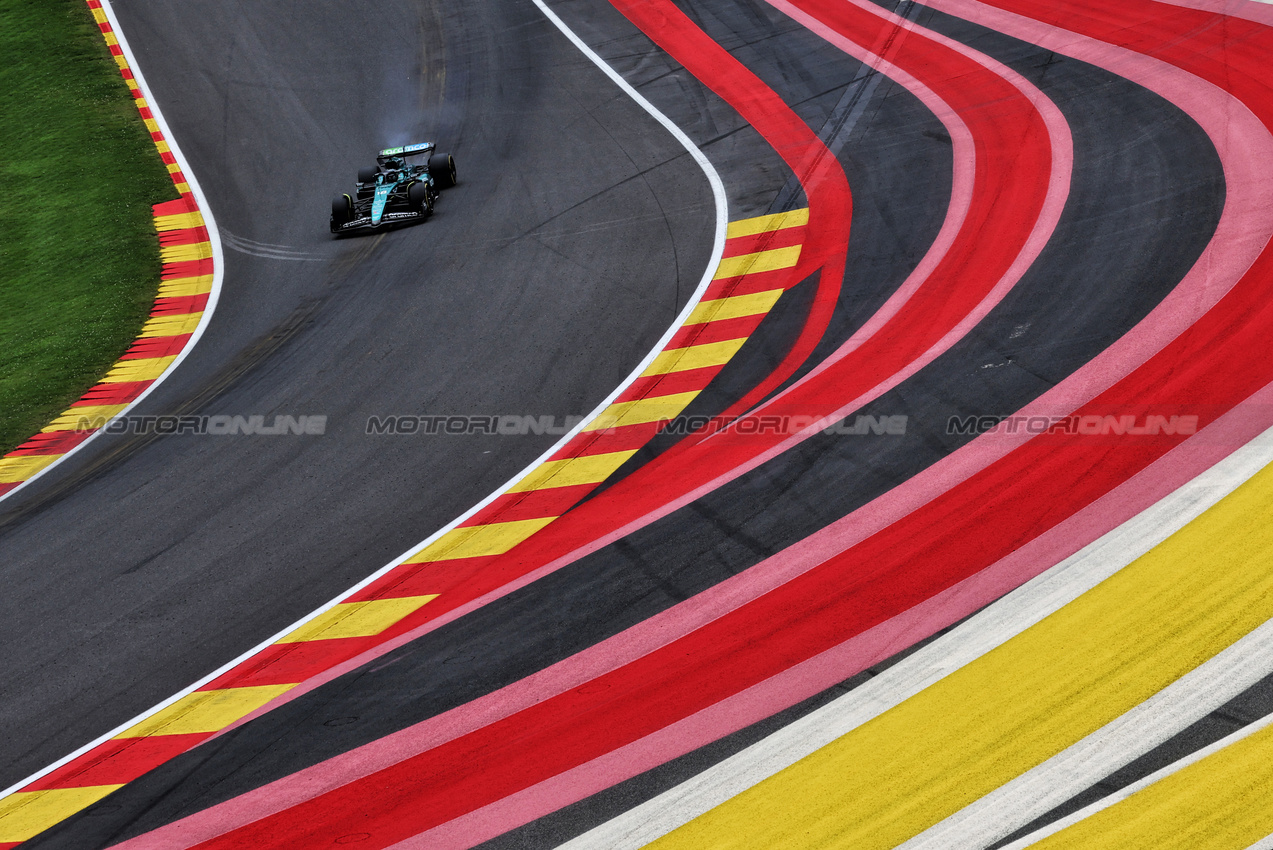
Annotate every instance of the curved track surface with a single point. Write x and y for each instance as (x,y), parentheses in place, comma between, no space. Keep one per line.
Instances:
(148,563)
(915,628)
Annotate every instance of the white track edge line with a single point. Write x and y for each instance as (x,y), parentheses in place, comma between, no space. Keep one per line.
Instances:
(214,237)
(1123,793)
(984,631)
(718,249)
(1086,762)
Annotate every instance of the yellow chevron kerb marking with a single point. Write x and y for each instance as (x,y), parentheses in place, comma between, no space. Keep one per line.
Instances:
(144,369)
(641,411)
(28,813)
(175,325)
(84,418)
(694,357)
(185,286)
(761,261)
(185,253)
(358,619)
(15,468)
(767,223)
(178,221)
(735,307)
(206,711)
(476,541)
(586,469)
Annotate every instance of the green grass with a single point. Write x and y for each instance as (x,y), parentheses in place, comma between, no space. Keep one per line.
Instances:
(79,260)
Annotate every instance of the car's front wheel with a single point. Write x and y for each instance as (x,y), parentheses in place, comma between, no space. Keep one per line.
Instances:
(342,210)
(420,198)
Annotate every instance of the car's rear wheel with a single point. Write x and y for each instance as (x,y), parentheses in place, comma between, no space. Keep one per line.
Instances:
(419,198)
(367,175)
(342,210)
(442,170)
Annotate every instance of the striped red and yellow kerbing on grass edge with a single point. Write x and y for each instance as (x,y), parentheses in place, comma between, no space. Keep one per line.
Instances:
(186,292)
(757,267)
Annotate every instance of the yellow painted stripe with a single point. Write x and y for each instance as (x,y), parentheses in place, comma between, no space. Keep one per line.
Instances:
(99,16)
(28,813)
(84,418)
(184,253)
(173,167)
(694,357)
(206,711)
(162,147)
(146,369)
(761,261)
(182,323)
(1057,682)
(589,469)
(767,223)
(641,411)
(357,619)
(151,124)
(735,307)
(184,286)
(1222,801)
(121,61)
(476,541)
(182,187)
(110,38)
(17,468)
(179,221)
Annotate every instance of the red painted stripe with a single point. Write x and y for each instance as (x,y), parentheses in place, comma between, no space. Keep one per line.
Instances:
(120,393)
(118,761)
(285,663)
(626,438)
(156,346)
(184,236)
(52,443)
(180,305)
(669,384)
(187,268)
(180,205)
(511,507)
(718,331)
(423,579)
(750,283)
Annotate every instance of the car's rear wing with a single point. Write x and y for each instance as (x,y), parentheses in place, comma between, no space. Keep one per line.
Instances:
(409,150)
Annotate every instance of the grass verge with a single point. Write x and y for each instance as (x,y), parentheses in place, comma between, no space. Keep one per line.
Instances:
(79,261)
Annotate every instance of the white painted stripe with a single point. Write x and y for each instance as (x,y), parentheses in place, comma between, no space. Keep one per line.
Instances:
(1264,843)
(990,628)
(1072,771)
(214,237)
(718,248)
(1124,793)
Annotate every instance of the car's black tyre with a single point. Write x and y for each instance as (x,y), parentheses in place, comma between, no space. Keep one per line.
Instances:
(368,174)
(442,170)
(419,198)
(342,209)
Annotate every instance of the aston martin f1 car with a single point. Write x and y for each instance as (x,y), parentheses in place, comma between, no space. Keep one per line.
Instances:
(394,192)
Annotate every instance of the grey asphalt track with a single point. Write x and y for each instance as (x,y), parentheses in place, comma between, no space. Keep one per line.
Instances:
(1147,178)
(578,230)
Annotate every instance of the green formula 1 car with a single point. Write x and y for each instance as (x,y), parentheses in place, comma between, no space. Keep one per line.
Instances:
(394,192)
